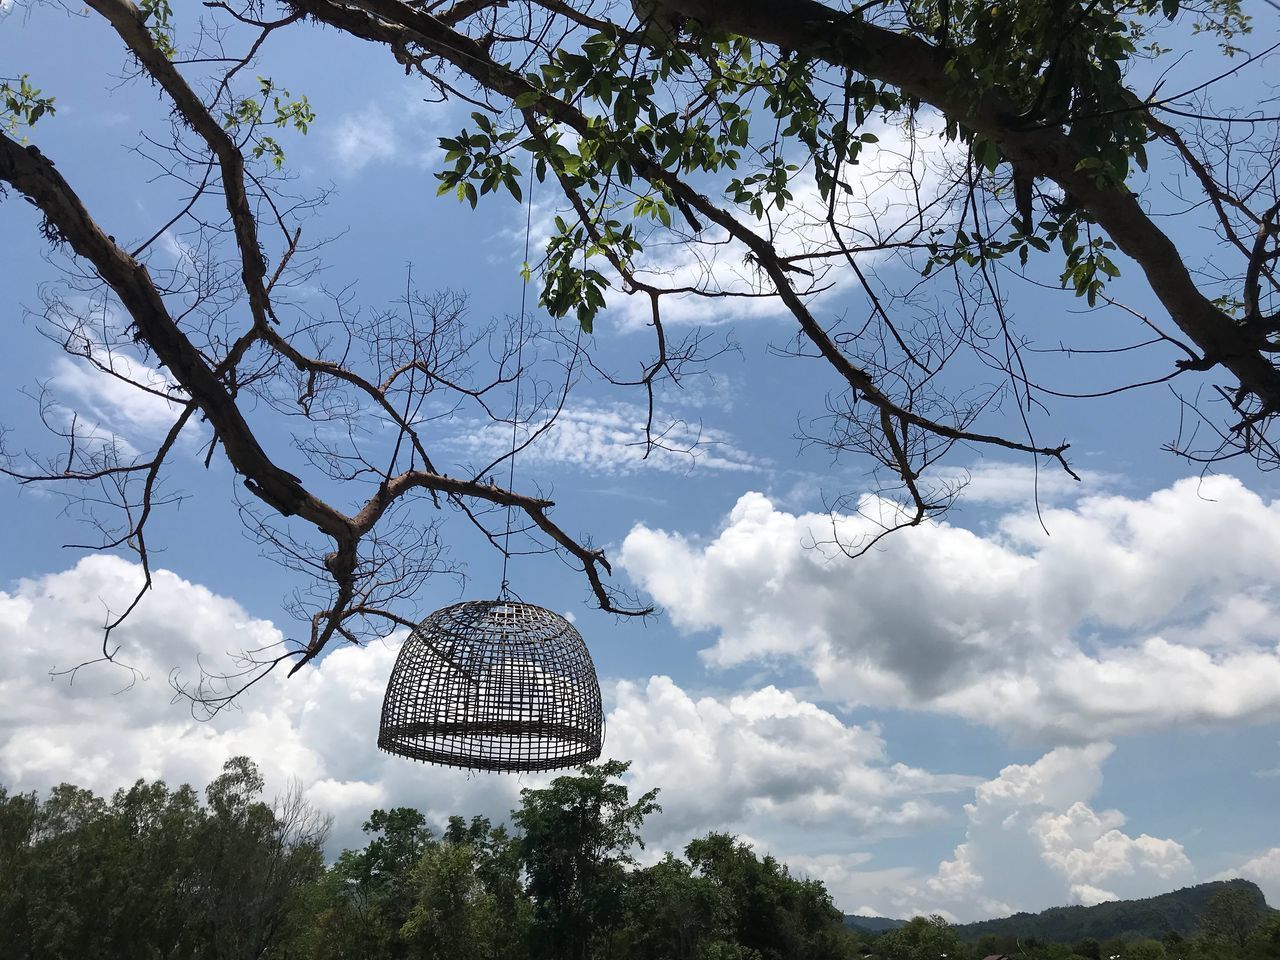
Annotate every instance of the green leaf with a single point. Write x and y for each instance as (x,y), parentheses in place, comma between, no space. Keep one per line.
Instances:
(986,153)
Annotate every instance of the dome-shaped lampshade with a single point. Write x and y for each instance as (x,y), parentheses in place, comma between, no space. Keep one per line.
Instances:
(494,685)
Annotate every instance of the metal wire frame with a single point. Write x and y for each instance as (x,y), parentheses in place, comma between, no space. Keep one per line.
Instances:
(494,685)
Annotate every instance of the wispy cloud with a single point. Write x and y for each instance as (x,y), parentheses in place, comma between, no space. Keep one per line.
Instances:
(1005,482)
(365,138)
(611,439)
(402,132)
(128,399)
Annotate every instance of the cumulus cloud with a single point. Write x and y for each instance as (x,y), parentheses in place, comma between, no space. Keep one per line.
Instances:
(1083,845)
(1031,841)
(106,726)
(1264,870)
(1033,838)
(610,439)
(756,760)
(1134,614)
(759,761)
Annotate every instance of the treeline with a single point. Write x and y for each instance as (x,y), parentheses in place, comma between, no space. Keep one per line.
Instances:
(155,873)
(1231,927)
(158,874)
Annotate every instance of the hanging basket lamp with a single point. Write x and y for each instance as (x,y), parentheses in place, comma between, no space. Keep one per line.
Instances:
(494,685)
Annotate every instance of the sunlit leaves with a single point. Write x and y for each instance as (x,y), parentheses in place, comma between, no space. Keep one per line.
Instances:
(271,107)
(479,160)
(22,105)
(688,102)
(156,15)
(571,284)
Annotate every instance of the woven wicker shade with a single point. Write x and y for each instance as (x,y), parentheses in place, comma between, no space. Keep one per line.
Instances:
(494,685)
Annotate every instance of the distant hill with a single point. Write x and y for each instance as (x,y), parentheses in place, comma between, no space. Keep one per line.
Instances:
(1179,911)
(872,924)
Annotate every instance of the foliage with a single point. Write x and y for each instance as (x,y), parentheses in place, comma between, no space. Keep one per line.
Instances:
(769,911)
(578,835)
(1181,912)
(22,105)
(671,914)
(921,938)
(1233,914)
(274,107)
(157,15)
(453,917)
(155,873)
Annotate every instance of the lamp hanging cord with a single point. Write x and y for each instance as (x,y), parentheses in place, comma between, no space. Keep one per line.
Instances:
(505,591)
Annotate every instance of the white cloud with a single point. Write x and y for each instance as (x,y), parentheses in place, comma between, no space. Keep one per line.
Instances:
(404,131)
(365,138)
(1264,870)
(1090,896)
(1018,484)
(1267,773)
(1126,618)
(319,727)
(761,760)
(1031,841)
(112,398)
(1083,845)
(610,439)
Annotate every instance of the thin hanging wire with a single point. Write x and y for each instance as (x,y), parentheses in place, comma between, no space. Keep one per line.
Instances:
(505,591)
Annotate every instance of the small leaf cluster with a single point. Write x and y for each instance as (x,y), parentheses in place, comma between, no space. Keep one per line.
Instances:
(481,159)
(764,188)
(22,105)
(275,107)
(571,285)
(156,16)
(1088,266)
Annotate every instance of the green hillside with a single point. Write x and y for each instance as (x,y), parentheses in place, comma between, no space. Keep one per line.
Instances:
(1179,912)
(871,924)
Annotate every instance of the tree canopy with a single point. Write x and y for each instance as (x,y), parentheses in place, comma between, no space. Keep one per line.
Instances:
(153,872)
(925,159)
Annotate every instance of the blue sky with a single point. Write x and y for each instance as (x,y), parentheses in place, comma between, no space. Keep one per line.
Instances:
(976,718)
